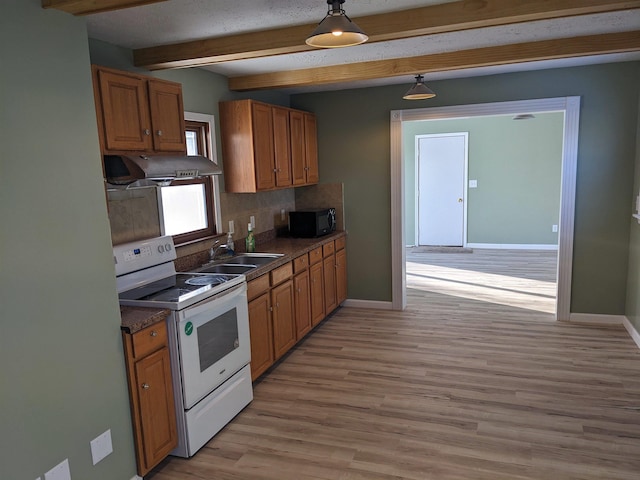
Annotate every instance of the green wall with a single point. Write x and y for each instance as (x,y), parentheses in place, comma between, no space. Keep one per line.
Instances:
(517,165)
(633,280)
(62,375)
(354,148)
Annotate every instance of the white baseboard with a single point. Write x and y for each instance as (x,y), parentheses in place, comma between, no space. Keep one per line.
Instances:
(596,319)
(635,335)
(373,304)
(512,246)
(136,477)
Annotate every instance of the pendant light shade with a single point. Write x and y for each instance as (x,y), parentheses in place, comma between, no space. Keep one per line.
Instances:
(419,91)
(336,29)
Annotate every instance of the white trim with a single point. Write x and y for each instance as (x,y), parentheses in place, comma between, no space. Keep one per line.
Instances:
(513,246)
(136,477)
(596,319)
(372,304)
(571,108)
(635,335)
(465,190)
(211,120)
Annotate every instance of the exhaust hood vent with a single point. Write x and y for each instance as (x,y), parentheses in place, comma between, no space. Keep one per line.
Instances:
(126,169)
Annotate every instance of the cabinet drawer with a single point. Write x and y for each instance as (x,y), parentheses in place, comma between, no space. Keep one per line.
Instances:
(300,263)
(341,243)
(281,274)
(149,339)
(257,286)
(315,255)
(327,249)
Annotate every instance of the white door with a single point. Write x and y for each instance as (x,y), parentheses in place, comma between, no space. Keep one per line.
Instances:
(442,162)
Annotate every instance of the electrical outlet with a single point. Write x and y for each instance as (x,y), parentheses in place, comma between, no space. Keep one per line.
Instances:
(59,472)
(101,446)
(554,228)
(231,230)
(282,215)
(253,222)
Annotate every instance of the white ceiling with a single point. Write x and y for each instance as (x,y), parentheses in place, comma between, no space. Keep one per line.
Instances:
(183,20)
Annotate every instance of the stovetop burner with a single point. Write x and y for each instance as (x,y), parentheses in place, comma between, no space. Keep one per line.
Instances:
(179,290)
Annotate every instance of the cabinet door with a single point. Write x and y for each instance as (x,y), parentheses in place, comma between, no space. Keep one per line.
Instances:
(341,275)
(317,293)
(281,146)
(125,111)
(284,327)
(330,298)
(263,146)
(167,116)
(311,148)
(298,170)
(261,335)
(302,302)
(157,413)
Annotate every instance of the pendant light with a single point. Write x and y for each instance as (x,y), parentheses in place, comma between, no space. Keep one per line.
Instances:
(336,29)
(419,91)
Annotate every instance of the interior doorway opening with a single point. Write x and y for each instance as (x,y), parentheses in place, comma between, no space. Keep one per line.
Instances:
(569,106)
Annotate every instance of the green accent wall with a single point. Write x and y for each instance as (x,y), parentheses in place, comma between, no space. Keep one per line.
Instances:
(354,148)
(62,374)
(517,165)
(633,280)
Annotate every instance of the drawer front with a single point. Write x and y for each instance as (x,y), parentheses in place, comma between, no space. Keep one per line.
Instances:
(341,243)
(300,263)
(281,274)
(257,286)
(327,249)
(315,255)
(149,339)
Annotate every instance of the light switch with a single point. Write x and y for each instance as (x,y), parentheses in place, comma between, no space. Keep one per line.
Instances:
(101,446)
(473,183)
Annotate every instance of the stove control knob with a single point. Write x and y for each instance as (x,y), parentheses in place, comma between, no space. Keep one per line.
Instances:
(167,247)
(160,248)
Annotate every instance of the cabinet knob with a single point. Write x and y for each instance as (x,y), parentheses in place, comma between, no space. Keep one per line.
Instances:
(146,131)
(154,333)
(159,133)
(145,386)
(275,170)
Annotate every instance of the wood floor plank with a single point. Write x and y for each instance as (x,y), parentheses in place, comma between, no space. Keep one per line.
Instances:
(472,382)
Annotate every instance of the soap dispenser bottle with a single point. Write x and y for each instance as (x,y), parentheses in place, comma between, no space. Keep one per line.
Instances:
(250,240)
(230,246)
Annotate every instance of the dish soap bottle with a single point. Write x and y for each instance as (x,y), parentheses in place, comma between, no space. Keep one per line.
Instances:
(250,240)
(230,246)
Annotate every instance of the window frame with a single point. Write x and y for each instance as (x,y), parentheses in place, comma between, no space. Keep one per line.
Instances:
(211,183)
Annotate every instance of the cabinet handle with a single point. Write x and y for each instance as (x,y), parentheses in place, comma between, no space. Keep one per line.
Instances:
(154,333)
(159,133)
(145,386)
(271,309)
(275,170)
(146,131)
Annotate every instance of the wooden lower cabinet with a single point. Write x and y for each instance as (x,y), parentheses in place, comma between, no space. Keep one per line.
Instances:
(341,275)
(261,335)
(329,278)
(284,326)
(317,293)
(151,394)
(302,303)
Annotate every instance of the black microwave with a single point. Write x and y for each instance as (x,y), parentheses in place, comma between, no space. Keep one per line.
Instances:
(312,223)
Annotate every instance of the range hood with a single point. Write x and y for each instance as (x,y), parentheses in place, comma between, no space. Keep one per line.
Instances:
(126,169)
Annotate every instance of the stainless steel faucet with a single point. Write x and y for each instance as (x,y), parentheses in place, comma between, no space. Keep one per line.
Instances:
(213,251)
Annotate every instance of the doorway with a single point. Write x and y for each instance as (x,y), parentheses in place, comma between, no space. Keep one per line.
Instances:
(570,106)
(441,179)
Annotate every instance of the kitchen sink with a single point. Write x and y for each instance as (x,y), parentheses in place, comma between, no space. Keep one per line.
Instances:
(227,268)
(257,259)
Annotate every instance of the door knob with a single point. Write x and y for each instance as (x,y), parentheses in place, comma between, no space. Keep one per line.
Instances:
(459,200)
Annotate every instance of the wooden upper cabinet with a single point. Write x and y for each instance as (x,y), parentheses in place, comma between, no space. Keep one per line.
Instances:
(167,116)
(138,113)
(264,146)
(262,123)
(311,148)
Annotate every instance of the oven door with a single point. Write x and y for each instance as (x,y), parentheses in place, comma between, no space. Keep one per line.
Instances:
(213,342)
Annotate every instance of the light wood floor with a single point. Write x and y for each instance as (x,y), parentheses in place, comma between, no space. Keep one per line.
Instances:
(452,388)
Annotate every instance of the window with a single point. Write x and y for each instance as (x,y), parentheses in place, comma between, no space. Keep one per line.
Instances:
(190,208)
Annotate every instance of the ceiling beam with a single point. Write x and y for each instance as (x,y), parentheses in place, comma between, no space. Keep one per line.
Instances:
(447,17)
(87,7)
(440,62)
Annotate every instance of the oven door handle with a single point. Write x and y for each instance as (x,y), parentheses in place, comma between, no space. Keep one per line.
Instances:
(221,300)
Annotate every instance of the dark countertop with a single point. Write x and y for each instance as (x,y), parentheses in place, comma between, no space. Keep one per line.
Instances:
(135,319)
